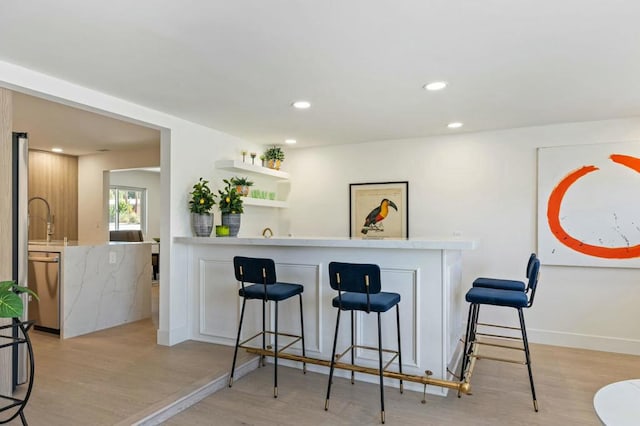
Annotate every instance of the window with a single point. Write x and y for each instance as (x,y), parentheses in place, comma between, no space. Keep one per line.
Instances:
(127,207)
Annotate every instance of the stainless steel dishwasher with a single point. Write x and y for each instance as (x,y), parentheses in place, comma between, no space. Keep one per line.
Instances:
(44,279)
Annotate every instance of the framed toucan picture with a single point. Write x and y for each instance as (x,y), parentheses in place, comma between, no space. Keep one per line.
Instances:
(379,210)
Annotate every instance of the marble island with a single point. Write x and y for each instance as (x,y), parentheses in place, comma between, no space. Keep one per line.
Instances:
(425,272)
(101,285)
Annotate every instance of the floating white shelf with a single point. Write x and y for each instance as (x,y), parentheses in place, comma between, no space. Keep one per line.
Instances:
(239,165)
(249,201)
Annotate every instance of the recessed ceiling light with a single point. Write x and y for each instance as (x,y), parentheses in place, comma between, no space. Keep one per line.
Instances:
(290,141)
(454,125)
(301,104)
(435,85)
(56,149)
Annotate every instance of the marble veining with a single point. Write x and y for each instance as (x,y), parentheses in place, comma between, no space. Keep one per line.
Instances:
(98,294)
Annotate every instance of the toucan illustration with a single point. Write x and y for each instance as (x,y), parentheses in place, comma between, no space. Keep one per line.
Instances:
(377,215)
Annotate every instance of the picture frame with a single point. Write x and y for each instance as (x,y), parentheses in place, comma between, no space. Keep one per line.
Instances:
(391,221)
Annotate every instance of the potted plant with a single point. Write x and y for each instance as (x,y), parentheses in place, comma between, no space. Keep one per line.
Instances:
(16,333)
(231,207)
(274,157)
(201,202)
(242,185)
(11,305)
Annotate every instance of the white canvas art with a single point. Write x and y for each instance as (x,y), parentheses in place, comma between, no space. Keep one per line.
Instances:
(589,205)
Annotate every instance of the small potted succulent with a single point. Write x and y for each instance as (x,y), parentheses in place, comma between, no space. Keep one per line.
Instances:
(200,205)
(242,185)
(274,157)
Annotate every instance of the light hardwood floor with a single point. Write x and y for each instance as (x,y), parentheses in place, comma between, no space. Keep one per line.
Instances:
(566,380)
(116,375)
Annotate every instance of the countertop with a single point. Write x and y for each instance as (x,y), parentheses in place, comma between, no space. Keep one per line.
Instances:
(411,243)
(59,245)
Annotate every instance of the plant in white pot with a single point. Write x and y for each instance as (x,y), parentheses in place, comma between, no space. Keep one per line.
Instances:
(231,207)
(200,205)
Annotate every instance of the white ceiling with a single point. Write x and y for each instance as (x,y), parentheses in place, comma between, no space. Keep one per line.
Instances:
(53,125)
(237,65)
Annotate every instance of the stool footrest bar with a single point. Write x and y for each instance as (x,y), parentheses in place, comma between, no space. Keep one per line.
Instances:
(464,386)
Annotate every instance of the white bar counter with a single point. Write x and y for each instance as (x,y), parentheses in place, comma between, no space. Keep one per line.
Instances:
(425,272)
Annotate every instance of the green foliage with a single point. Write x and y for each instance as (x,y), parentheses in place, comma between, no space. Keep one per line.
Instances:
(230,200)
(10,302)
(274,153)
(202,198)
(123,206)
(241,181)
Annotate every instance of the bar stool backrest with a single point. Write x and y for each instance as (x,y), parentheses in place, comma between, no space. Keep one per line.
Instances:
(532,257)
(254,270)
(534,275)
(352,277)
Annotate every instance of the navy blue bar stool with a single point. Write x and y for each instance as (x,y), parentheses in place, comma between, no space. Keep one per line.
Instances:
(506,284)
(517,299)
(261,274)
(359,289)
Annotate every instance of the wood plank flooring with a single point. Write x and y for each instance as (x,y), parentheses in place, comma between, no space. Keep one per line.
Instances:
(117,375)
(106,377)
(566,381)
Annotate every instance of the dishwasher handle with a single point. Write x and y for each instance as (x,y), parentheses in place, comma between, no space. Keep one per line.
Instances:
(43,259)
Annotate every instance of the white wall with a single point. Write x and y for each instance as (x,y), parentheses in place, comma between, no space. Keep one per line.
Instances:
(484,186)
(93,184)
(149,181)
(187,151)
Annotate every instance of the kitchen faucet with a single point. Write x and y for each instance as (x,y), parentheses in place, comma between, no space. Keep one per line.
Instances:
(49,216)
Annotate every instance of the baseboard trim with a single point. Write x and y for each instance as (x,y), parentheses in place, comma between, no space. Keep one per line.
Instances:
(172,405)
(172,337)
(585,341)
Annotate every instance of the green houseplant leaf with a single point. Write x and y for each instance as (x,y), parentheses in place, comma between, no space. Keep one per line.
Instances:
(274,153)
(11,305)
(230,201)
(202,198)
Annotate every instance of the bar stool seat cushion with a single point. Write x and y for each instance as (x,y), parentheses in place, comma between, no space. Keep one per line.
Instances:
(275,292)
(499,284)
(492,296)
(380,302)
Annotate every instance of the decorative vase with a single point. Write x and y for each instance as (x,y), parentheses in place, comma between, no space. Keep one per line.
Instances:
(242,190)
(274,164)
(202,224)
(232,220)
